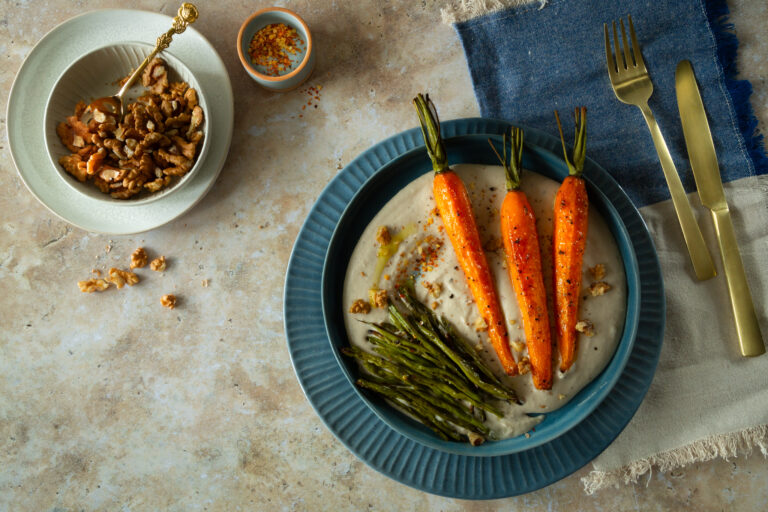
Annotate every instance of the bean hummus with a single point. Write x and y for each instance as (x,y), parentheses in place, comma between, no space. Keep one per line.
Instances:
(425,253)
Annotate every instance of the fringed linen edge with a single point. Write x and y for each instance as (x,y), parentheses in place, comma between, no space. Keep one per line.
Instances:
(725,446)
(457,11)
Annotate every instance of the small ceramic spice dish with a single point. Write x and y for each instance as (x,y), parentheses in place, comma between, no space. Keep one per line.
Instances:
(284,61)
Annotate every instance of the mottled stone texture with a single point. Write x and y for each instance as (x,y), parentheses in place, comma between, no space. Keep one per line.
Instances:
(112,402)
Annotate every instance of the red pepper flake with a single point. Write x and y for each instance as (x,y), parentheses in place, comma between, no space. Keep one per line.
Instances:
(314,96)
(272,47)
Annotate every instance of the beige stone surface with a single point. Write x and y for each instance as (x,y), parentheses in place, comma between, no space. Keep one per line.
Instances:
(111,402)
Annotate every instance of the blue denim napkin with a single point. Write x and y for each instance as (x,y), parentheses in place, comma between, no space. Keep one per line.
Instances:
(527,61)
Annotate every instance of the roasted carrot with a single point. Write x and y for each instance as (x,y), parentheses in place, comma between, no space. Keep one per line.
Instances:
(569,240)
(455,210)
(521,246)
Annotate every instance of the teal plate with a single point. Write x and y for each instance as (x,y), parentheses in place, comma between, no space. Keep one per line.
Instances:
(369,200)
(415,464)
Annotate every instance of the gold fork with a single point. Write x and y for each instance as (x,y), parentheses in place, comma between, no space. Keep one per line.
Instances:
(632,84)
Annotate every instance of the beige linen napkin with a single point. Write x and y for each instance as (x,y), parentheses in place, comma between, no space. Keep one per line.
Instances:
(706,400)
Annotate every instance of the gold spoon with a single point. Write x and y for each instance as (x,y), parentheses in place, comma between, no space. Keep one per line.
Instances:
(114,104)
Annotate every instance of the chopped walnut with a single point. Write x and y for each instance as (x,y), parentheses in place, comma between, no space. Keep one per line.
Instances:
(585,327)
(434,289)
(597,272)
(379,298)
(204,283)
(599,288)
(93,285)
(360,307)
(157,139)
(139,258)
(158,264)
(480,324)
(168,301)
(517,345)
(382,235)
(122,277)
(524,365)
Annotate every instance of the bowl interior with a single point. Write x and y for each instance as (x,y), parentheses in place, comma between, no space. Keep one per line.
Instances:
(268,17)
(95,75)
(379,189)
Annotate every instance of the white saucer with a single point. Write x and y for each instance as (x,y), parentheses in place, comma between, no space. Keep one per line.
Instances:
(34,81)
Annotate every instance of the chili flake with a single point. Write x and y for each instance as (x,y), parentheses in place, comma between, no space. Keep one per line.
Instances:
(272,47)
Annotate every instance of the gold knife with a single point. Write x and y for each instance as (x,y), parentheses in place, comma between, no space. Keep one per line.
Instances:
(701,153)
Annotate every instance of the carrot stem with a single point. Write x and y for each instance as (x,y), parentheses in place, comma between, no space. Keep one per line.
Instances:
(430,129)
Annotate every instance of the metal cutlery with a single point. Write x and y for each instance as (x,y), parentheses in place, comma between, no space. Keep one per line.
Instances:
(701,153)
(632,84)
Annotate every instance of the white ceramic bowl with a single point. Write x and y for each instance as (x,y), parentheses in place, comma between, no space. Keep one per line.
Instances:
(94,75)
(302,64)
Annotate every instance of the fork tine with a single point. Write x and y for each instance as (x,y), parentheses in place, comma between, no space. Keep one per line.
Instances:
(610,60)
(635,47)
(617,50)
(625,44)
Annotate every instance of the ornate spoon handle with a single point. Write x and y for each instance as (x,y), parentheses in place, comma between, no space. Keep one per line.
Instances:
(187,14)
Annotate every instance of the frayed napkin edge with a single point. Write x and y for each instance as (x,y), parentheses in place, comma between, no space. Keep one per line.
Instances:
(458,11)
(725,446)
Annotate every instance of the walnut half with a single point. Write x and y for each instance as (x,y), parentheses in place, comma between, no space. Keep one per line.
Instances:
(122,277)
(158,264)
(168,301)
(139,258)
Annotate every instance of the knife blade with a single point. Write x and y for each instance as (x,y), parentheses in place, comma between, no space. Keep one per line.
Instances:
(706,172)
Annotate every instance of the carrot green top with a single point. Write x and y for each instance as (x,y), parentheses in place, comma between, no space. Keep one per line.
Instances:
(430,128)
(576,162)
(514,166)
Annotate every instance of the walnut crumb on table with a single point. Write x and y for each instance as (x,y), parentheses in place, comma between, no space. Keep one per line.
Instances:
(93,285)
(204,283)
(139,258)
(168,301)
(158,264)
(360,307)
(122,277)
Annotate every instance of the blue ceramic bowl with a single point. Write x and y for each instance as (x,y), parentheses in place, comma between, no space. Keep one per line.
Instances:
(539,155)
(302,63)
